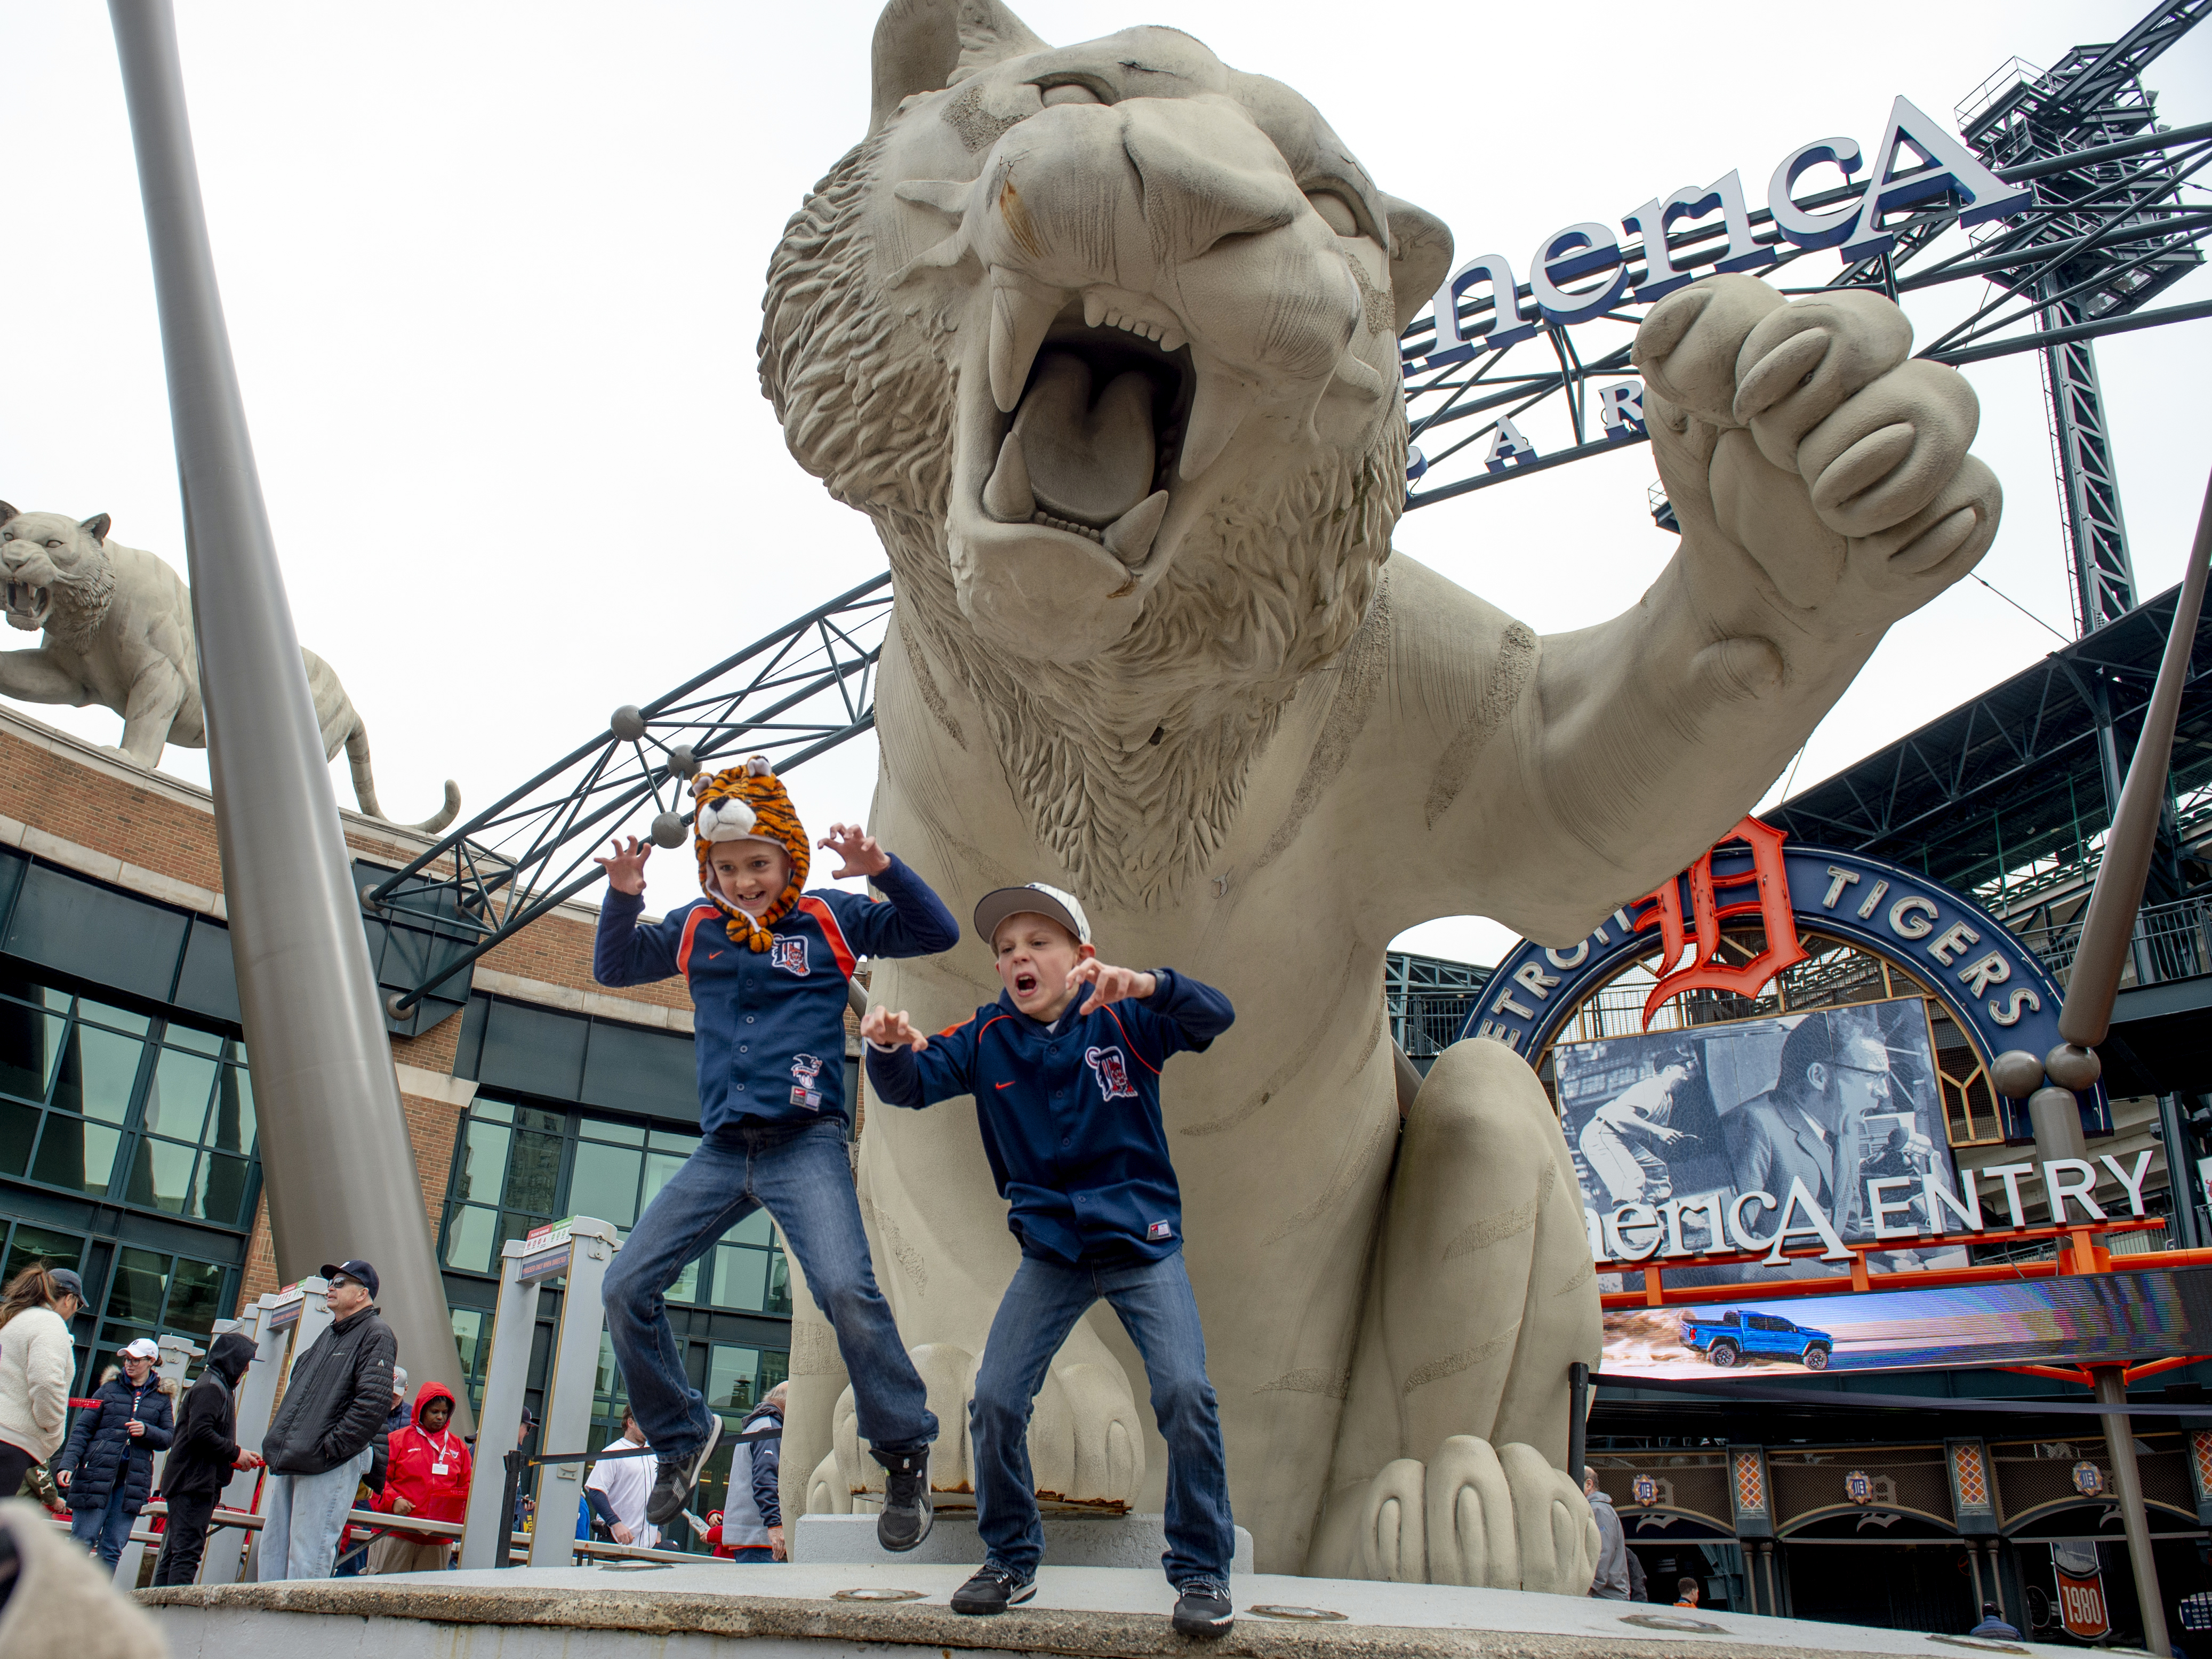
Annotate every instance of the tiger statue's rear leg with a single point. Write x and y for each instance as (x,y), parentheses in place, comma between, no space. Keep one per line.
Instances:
(1449,1464)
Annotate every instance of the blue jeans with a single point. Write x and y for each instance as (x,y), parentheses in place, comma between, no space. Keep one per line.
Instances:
(801,1174)
(306,1513)
(1160,1314)
(104,1531)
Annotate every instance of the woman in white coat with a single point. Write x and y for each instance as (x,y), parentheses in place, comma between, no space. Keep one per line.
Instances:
(37,1361)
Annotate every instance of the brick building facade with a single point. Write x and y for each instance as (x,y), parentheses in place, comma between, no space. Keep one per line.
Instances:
(126,1120)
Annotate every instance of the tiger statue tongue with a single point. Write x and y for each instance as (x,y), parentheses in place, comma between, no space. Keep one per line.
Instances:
(1104,340)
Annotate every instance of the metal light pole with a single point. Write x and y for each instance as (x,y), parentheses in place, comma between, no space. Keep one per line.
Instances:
(2087,1017)
(340,1170)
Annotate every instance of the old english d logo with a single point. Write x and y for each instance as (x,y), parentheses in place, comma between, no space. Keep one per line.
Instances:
(1112,1071)
(788,954)
(1700,932)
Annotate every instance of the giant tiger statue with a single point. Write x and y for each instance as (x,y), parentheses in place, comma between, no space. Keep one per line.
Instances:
(117,631)
(1104,339)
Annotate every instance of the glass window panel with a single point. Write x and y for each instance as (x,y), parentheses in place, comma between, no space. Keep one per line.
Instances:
(161,1176)
(236,1050)
(41,1245)
(195,1290)
(30,1048)
(19,1127)
(469,1232)
(177,1099)
(755,1229)
(775,1367)
(119,1020)
(75,1154)
(472,1335)
(621,1134)
(200,1043)
(484,1163)
(495,1111)
(232,1126)
(97,1073)
(139,1275)
(511,1226)
(740,1277)
(779,1285)
(551,1124)
(686,1287)
(659,1167)
(222,1196)
(665,1140)
(607,1392)
(59,1001)
(732,1375)
(534,1171)
(605,1183)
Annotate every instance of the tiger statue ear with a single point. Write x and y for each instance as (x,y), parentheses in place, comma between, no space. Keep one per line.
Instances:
(96,527)
(922,46)
(6,512)
(1420,256)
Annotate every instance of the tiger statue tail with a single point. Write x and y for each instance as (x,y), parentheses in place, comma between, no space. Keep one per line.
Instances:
(343,728)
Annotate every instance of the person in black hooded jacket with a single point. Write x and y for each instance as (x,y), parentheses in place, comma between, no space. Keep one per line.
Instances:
(202,1456)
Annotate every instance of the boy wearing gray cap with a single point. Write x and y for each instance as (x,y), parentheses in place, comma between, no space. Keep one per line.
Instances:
(1068,1099)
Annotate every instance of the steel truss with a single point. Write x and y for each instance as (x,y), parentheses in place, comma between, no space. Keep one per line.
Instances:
(2106,229)
(806,688)
(2093,97)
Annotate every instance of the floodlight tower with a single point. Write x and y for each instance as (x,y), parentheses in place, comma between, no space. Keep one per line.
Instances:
(2073,257)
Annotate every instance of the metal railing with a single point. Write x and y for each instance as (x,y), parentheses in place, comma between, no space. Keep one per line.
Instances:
(1426,1023)
(2172,941)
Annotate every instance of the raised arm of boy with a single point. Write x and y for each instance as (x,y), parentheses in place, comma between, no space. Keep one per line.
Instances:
(914,923)
(624,953)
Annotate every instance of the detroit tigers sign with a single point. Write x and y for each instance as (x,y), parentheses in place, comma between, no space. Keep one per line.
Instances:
(1990,981)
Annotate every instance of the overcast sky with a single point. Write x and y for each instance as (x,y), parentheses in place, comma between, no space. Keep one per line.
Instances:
(493,275)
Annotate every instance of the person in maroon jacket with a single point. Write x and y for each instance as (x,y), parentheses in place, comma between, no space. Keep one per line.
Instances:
(428,1476)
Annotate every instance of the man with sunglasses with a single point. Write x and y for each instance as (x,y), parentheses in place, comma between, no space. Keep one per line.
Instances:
(323,1436)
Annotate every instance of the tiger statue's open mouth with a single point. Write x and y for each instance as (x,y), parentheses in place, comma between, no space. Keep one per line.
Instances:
(1157,302)
(29,604)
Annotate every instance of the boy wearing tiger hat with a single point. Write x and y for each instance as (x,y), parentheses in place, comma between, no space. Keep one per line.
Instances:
(768,964)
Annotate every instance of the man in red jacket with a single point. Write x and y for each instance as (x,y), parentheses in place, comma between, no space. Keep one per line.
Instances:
(428,1476)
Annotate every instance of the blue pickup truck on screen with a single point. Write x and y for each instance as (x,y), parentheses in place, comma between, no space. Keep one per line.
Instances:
(1737,1337)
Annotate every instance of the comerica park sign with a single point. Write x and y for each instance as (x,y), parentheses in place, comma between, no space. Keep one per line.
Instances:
(1918,160)
(1710,1138)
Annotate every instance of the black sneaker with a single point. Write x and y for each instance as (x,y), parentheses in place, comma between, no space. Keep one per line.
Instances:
(992,1589)
(907,1515)
(671,1486)
(1204,1608)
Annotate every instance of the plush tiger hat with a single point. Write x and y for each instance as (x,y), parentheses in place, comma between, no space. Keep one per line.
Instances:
(748,803)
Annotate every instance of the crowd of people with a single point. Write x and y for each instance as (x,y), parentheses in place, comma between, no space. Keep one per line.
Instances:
(346,1436)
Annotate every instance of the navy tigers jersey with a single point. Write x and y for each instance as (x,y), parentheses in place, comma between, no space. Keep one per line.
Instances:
(769,1026)
(1071,1113)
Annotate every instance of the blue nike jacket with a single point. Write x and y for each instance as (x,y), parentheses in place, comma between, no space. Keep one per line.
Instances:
(1071,1114)
(768,1027)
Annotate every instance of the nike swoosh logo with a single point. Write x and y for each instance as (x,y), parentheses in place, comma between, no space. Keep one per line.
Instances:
(1005,1086)
(711,955)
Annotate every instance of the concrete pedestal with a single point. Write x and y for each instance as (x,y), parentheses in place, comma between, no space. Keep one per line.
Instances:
(1134,1542)
(792,1611)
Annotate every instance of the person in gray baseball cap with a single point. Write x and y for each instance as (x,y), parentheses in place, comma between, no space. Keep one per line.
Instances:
(323,1439)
